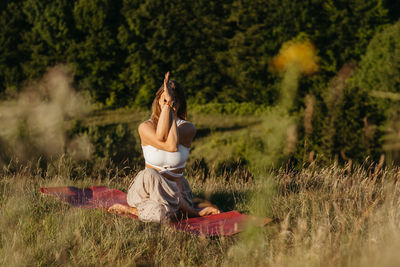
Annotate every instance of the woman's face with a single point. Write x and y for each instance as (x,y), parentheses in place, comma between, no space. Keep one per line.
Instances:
(162,101)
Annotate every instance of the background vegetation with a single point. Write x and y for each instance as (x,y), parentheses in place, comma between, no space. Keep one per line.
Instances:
(220,51)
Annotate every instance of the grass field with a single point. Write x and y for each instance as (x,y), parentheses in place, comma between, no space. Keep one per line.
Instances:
(347,216)
(324,215)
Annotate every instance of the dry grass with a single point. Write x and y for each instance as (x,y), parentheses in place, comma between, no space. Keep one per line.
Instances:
(336,216)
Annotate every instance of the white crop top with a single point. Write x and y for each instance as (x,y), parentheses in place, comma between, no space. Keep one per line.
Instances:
(167,161)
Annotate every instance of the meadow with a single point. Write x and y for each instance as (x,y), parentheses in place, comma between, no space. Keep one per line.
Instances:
(318,162)
(328,215)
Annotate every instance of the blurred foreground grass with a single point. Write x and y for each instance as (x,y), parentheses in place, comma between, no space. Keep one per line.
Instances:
(325,216)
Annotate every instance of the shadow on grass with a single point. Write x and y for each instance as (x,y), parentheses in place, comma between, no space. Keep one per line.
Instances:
(204,132)
(227,201)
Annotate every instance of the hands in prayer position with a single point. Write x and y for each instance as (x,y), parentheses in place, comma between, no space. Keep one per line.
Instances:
(167,97)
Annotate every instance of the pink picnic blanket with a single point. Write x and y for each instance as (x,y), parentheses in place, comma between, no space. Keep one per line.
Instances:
(223,224)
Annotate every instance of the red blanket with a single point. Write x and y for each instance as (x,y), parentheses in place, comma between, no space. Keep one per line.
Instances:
(224,224)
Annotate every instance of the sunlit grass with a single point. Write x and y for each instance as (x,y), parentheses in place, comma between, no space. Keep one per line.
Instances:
(346,216)
(40,230)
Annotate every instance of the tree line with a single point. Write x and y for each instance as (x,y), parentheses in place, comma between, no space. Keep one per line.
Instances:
(219,50)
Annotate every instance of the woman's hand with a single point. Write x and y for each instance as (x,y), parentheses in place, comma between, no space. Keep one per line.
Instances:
(209,211)
(167,96)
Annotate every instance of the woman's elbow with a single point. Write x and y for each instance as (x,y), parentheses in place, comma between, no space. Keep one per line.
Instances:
(172,148)
(161,138)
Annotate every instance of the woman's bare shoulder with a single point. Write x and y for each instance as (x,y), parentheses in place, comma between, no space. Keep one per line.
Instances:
(188,126)
(146,124)
(187,131)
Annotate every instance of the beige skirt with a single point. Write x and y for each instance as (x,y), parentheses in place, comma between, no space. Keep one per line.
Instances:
(156,197)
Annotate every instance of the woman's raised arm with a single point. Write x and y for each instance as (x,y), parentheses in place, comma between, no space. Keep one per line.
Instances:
(165,120)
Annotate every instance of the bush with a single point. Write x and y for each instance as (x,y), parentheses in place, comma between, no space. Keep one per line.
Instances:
(115,143)
(365,109)
(231,108)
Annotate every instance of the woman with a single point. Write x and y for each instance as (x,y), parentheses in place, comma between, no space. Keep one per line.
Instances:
(160,192)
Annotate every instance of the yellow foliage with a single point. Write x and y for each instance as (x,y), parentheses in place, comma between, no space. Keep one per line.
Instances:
(303,55)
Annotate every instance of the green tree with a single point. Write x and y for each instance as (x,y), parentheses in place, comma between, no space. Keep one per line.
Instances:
(12,21)
(46,41)
(339,29)
(219,50)
(178,35)
(393,6)
(94,51)
(365,109)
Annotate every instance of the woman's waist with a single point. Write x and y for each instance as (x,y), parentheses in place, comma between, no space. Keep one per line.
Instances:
(171,173)
(166,166)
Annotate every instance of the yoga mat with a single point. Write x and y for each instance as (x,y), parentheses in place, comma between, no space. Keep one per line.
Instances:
(223,224)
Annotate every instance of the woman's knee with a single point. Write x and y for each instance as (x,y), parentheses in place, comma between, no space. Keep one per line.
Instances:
(150,211)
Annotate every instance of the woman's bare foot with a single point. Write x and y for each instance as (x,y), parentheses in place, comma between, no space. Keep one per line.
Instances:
(122,209)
